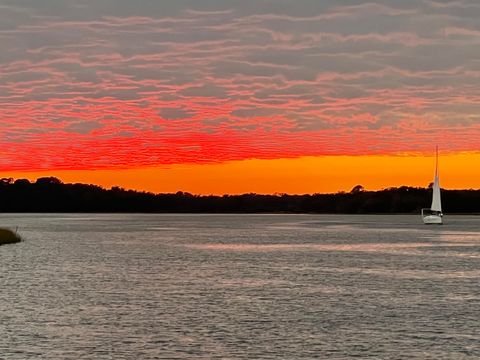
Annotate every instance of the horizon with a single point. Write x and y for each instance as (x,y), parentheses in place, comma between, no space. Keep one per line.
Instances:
(110,185)
(229,97)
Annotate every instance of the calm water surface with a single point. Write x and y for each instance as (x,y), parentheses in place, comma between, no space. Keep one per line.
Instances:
(240,287)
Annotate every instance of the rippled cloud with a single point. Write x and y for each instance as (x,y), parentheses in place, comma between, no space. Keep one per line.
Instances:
(115,83)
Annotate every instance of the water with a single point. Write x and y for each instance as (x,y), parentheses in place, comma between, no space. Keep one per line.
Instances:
(240,287)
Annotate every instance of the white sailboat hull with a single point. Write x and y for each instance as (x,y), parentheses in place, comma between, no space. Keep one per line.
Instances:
(433,219)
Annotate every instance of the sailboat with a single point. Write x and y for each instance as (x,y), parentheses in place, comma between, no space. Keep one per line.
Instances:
(434,215)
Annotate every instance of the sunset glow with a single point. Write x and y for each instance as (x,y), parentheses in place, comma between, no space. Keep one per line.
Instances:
(295,176)
(227,97)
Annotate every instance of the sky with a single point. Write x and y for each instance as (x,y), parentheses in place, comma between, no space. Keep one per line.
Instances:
(232,96)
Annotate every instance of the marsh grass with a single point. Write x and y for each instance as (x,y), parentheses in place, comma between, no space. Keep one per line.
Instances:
(8,236)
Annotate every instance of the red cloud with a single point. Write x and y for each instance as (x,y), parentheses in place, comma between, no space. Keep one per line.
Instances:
(213,86)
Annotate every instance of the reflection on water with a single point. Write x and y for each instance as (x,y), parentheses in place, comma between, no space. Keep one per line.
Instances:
(239,287)
(368,247)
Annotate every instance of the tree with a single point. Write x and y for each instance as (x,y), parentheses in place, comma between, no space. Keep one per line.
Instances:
(357,189)
(6,181)
(22,182)
(48,181)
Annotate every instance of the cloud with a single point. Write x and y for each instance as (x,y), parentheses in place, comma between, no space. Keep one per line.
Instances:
(175,113)
(97,84)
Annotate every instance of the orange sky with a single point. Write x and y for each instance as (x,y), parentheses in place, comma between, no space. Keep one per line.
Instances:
(150,99)
(299,175)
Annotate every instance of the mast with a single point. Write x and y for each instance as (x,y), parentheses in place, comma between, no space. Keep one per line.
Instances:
(436,199)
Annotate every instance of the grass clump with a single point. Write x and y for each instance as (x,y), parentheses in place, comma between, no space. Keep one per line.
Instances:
(8,236)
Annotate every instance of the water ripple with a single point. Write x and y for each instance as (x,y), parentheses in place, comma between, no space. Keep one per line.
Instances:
(239,287)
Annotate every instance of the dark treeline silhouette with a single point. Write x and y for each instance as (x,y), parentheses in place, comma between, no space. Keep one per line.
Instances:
(51,195)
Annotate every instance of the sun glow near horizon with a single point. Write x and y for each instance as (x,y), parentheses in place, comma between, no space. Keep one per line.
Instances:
(185,95)
(326,174)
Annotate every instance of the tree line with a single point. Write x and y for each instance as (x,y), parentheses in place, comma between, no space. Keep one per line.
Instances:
(49,194)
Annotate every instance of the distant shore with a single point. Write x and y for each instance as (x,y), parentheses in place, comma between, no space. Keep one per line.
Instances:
(50,195)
